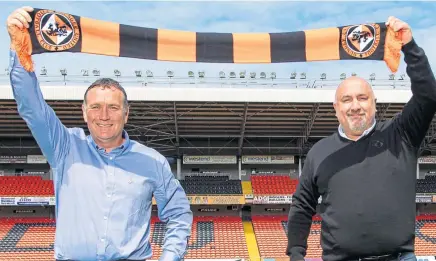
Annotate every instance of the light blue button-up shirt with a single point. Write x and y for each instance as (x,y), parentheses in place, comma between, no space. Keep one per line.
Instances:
(103,200)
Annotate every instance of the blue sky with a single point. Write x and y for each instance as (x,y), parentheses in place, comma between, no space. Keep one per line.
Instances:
(225,16)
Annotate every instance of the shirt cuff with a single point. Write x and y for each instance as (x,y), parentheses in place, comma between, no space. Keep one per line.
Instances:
(169,256)
(12,58)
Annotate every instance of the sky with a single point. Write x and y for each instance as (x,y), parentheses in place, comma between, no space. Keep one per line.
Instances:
(228,17)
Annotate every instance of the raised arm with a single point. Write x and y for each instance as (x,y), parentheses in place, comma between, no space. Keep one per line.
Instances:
(48,131)
(417,115)
(303,208)
(173,209)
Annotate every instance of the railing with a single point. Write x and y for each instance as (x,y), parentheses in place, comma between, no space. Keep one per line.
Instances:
(196,82)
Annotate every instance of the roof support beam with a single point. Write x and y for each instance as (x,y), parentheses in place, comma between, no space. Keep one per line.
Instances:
(176,127)
(307,128)
(244,121)
(382,112)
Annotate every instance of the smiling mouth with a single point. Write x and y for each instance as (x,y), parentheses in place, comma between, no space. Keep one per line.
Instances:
(104,125)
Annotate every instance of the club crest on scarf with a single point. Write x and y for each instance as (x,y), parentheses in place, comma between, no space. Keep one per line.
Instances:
(360,41)
(56,31)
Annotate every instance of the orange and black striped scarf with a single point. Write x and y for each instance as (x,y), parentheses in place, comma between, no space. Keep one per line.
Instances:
(51,32)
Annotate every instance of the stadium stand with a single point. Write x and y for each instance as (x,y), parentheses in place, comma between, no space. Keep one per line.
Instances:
(26,239)
(216,237)
(213,237)
(273,185)
(425,230)
(201,185)
(426,185)
(25,186)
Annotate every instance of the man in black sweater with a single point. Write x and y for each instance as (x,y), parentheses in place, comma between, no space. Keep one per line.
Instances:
(366,172)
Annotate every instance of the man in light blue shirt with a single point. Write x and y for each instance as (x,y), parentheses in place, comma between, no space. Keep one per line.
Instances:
(104,182)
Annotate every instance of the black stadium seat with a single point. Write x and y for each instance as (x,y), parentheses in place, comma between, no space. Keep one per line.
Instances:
(426,185)
(211,185)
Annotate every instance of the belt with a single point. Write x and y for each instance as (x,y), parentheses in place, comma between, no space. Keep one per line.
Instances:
(389,257)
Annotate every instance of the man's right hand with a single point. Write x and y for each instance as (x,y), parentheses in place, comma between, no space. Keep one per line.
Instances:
(18,19)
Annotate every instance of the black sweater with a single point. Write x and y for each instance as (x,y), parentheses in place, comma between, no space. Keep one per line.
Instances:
(367,186)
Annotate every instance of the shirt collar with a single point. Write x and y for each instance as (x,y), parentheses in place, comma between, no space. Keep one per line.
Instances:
(366,132)
(116,150)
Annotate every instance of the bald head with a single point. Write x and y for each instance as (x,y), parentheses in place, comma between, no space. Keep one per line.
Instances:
(353,83)
(355,106)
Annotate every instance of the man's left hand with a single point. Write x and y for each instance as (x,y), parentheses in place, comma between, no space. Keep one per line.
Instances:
(399,26)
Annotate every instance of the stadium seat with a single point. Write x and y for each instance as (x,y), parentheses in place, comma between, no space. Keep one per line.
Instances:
(273,185)
(212,238)
(426,185)
(202,185)
(271,235)
(217,237)
(18,186)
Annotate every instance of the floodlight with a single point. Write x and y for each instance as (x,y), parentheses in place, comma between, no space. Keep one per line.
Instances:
(222,74)
(190,74)
(201,74)
(252,75)
(117,72)
(343,76)
(85,72)
(96,72)
(170,73)
(263,75)
(149,73)
(232,75)
(323,76)
(372,76)
(391,76)
(138,73)
(242,74)
(293,75)
(303,76)
(273,75)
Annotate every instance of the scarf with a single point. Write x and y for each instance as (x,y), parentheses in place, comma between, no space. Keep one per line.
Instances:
(52,32)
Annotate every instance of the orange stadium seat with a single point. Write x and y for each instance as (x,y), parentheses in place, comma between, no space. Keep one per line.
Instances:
(218,237)
(273,185)
(212,238)
(26,239)
(25,186)
(425,240)
(271,235)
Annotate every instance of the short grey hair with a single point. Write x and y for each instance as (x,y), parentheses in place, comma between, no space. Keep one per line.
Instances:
(108,83)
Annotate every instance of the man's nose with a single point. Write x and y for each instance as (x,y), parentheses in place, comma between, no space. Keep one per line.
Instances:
(104,113)
(355,105)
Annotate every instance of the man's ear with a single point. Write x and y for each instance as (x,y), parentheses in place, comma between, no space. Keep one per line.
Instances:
(85,117)
(127,114)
